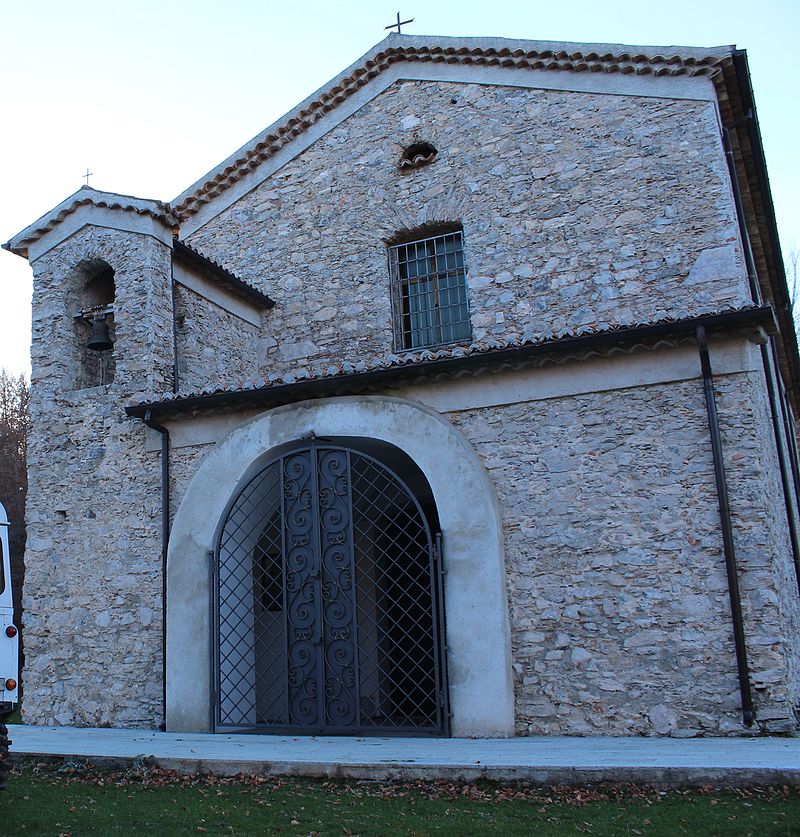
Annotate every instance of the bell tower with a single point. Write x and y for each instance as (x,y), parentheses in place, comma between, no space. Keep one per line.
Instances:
(102,338)
(102,298)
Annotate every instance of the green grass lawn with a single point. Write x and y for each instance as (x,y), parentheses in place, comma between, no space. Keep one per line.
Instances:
(67,801)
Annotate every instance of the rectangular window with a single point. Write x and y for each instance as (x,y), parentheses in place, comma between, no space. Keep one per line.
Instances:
(429,292)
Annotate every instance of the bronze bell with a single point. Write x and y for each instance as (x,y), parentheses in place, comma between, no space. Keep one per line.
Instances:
(99,339)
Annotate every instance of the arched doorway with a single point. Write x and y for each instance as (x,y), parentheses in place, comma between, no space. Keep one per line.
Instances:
(478,645)
(328,596)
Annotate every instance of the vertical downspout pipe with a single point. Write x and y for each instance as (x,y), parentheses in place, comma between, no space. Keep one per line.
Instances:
(769,360)
(727,530)
(794,538)
(148,420)
(788,424)
(176,384)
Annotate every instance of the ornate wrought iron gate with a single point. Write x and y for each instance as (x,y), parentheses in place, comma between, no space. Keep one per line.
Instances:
(328,602)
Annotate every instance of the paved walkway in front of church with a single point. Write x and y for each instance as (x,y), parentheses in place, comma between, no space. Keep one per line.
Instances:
(541,760)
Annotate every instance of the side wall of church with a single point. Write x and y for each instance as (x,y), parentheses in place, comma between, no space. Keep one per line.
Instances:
(577,209)
(92,596)
(773,583)
(620,615)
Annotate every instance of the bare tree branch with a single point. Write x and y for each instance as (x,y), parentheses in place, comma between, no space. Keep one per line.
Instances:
(14,429)
(792,265)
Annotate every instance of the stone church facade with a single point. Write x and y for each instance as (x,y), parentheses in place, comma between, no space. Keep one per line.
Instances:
(460,401)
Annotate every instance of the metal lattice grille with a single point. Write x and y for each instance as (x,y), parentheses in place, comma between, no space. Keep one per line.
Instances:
(328,610)
(429,292)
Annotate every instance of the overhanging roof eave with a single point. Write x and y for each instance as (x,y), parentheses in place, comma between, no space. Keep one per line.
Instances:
(359,382)
(762,220)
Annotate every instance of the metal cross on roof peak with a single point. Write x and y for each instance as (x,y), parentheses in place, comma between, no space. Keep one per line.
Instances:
(88,175)
(399,24)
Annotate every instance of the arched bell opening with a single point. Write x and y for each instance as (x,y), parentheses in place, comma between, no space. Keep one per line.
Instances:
(328,600)
(94,324)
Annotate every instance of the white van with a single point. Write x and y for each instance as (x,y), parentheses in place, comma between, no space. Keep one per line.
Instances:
(9,635)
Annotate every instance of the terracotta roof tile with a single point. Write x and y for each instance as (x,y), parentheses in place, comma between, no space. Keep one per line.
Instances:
(523,55)
(421,357)
(87,196)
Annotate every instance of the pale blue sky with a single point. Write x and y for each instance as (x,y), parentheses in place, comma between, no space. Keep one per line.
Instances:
(151,94)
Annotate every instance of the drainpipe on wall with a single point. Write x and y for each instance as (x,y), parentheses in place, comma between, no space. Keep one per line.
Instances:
(727,530)
(783,468)
(788,424)
(148,420)
(769,361)
(176,384)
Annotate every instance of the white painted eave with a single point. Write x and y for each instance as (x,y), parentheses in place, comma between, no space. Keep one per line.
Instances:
(90,199)
(442,42)
(436,71)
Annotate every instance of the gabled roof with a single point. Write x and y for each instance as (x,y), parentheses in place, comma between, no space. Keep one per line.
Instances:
(416,49)
(162,212)
(220,276)
(725,66)
(86,196)
(436,58)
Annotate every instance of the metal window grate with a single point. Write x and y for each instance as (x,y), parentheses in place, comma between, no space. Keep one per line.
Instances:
(329,602)
(429,292)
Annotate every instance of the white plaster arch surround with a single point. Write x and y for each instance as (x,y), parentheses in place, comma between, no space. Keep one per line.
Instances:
(477,629)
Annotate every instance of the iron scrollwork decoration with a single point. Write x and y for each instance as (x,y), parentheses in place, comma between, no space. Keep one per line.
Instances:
(328,614)
(338,594)
(302,588)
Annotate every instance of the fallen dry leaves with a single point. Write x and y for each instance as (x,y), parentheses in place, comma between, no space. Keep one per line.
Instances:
(146,776)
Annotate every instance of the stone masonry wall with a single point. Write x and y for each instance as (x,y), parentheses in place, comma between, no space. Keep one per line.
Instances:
(92,596)
(618,595)
(577,209)
(92,593)
(772,602)
(184,462)
(213,345)
(617,589)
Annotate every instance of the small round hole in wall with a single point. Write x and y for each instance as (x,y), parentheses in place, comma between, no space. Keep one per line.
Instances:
(416,155)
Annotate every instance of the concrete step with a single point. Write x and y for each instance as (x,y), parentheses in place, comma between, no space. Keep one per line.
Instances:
(540,760)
